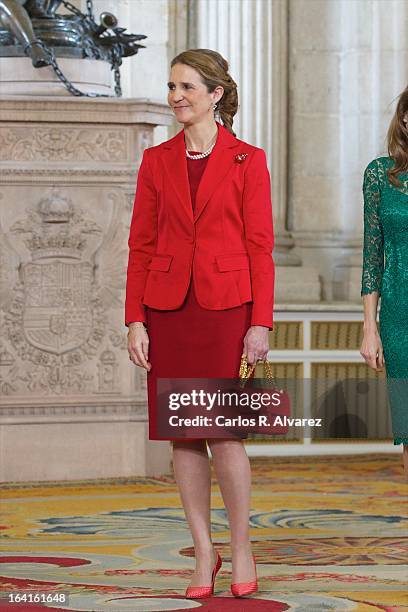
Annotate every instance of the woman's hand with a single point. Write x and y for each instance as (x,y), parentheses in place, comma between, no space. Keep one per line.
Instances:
(138,345)
(372,349)
(256,343)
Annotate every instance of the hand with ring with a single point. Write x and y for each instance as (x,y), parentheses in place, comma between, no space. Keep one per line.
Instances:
(256,343)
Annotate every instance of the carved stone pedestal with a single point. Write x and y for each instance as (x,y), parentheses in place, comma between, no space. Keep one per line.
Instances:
(71,403)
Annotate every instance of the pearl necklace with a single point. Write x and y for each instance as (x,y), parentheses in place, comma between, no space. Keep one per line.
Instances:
(200,155)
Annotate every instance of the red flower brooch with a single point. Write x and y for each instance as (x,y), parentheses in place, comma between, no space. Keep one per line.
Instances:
(240,157)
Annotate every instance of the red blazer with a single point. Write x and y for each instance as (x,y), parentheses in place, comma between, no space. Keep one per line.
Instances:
(227,244)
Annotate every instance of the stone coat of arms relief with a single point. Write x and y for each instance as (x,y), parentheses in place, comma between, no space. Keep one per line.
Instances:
(60,275)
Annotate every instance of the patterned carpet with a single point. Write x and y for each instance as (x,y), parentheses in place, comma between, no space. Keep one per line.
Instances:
(328,533)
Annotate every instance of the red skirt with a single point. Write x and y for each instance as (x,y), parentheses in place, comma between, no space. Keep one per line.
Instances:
(193,342)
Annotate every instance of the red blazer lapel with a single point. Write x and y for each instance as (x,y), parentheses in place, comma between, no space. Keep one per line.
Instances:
(219,163)
(175,162)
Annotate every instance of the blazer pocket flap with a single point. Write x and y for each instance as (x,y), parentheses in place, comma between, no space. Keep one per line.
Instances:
(239,261)
(160,262)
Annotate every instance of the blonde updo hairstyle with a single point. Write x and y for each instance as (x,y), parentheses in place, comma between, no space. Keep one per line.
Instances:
(213,69)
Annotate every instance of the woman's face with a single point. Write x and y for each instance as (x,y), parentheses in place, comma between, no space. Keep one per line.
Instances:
(188,96)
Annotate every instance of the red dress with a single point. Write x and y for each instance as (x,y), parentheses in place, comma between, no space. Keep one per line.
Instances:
(191,341)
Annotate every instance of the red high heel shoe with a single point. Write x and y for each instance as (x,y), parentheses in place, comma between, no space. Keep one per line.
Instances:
(239,589)
(198,592)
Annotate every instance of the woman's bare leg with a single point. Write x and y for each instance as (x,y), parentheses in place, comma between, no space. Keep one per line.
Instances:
(233,470)
(193,476)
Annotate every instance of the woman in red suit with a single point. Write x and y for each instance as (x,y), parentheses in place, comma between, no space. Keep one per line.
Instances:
(200,286)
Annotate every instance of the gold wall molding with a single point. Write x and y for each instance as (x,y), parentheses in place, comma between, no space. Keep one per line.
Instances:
(286,335)
(336,335)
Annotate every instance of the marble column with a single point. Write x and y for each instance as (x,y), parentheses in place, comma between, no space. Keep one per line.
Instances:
(348,61)
(252,36)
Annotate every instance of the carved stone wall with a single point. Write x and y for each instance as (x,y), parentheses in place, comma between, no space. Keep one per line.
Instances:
(68,175)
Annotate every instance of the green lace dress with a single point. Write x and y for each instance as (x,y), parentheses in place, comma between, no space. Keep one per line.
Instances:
(385,269)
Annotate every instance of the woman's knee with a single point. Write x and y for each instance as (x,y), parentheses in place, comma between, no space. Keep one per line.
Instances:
(220,445)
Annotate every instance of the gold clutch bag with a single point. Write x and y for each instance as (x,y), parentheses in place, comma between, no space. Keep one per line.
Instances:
(246,370)
(283,407)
